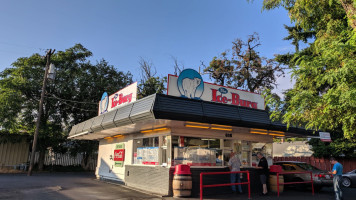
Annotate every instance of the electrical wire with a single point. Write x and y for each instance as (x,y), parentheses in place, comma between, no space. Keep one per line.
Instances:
(55,97)
(79,108)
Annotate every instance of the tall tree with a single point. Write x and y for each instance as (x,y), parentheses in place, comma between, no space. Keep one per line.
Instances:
(244,68)
(71,98)
(150,83)
(221,70)
(324,96)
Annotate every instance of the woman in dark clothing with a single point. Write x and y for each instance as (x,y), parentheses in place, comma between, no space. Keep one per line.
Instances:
(263,166)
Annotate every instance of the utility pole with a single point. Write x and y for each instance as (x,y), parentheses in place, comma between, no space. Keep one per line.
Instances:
(40,109)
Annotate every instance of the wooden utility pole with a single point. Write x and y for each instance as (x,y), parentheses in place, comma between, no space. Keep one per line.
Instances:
(40,109)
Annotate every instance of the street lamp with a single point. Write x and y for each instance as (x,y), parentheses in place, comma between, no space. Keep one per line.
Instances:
(51,72)
(47,75)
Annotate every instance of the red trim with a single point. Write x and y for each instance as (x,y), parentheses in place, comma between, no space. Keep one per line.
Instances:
(150,163)
(168,83)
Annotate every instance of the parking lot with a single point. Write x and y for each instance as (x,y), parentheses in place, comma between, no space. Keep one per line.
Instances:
(85,186)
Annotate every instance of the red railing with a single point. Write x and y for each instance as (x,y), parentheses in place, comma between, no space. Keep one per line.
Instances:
(289,183)
(224,184)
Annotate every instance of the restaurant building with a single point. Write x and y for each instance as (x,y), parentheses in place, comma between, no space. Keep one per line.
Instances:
(196,123)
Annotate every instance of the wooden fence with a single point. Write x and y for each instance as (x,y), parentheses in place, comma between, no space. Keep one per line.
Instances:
(322,163)
(66,160)
(13,153)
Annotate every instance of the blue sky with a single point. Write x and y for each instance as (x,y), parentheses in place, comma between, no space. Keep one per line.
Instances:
(123,31)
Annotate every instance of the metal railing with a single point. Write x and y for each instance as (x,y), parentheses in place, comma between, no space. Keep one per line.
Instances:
(290,183)
(224,184)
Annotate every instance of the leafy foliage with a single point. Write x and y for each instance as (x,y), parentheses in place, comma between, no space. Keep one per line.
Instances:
(71,98)
(324,96)
(245,69)
(340,147)
(150,83)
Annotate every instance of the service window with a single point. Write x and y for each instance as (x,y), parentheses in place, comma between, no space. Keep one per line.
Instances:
(146,151)
(196,151)
(151,151)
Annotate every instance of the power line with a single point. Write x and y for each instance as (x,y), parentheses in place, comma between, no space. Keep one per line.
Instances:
(55,97)
(79,108)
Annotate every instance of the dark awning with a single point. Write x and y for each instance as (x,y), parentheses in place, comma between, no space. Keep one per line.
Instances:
(164,107)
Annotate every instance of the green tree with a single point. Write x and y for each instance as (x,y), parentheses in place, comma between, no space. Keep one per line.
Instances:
(324,96)
(150,83)
(220,70)
(70,99)
(245,68)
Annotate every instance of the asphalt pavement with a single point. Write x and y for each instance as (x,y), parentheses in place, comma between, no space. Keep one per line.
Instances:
(73,186)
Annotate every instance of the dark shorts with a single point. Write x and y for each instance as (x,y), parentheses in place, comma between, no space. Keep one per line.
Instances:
(263,178)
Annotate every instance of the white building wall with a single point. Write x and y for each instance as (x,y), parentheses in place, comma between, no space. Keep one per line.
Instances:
(106,165)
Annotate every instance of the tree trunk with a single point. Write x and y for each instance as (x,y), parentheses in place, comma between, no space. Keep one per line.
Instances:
(85,162)
(350,12)
(41,159)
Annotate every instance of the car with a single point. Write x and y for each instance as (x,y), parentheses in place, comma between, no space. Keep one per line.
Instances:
(349,178)
(320,178)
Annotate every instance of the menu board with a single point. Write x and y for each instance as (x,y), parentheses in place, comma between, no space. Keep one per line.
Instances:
(147,155)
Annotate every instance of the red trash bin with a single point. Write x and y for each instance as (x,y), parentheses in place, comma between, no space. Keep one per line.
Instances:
(182,181)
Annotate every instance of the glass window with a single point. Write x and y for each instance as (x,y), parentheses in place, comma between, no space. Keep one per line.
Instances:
(306,166)
(265,149)
(245,153)
(196,151)
(146,151)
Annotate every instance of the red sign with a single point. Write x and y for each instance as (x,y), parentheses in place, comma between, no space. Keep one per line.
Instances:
(119,155)
(120,99)
(235,100)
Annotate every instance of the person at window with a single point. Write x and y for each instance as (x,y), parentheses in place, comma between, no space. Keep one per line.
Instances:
(337,172)
(234,165)
(263,172)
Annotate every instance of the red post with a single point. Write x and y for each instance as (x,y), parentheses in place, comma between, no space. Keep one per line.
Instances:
(249,189)
(311,179)
(225,184)
(278,183)
(201,186)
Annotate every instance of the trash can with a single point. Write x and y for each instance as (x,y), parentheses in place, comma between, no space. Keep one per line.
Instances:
(273,178)
(182,181)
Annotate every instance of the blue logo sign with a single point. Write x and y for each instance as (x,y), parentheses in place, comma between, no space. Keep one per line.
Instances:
(223,90)
(190,84)
(104,103)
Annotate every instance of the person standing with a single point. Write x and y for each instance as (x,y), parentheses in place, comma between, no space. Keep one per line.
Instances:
(234,165)
(337,172)
(263,172)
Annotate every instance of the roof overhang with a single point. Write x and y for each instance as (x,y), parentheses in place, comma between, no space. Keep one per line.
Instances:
(159,110)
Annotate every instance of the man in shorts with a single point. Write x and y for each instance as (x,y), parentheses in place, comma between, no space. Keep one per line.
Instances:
(263,172)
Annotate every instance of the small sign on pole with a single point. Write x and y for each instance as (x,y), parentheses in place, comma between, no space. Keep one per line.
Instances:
(325,136)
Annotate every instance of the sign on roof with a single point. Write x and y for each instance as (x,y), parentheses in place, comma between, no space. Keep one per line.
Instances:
(189,84)
(120,98)
(325,136)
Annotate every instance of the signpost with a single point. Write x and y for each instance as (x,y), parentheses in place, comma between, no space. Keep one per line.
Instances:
(325,136)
